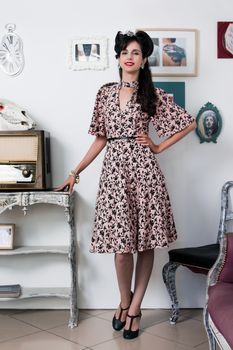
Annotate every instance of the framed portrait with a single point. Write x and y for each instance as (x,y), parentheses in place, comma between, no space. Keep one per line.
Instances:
(176,90)
(7,236)
(175,52)
(225,39)
(89,53)
(209,123)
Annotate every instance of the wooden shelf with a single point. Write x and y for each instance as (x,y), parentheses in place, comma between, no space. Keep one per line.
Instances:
(24,200)
(36,250)
(40,293)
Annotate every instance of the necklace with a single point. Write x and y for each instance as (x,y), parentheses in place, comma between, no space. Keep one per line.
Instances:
(130,84)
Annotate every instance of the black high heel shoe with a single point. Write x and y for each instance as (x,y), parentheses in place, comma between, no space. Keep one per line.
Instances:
(117,324)
(128,333)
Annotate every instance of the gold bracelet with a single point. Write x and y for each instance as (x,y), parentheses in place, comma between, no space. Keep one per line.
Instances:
(76,176)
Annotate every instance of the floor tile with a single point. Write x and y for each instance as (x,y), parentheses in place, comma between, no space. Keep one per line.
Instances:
(190,332)
(8,311)
(89,332)
(11,328)
(44,319)
(144,341)
(193,313)
(205,346)
(41,340)
(45,329)
(94,312)
(187,314)
(149,316)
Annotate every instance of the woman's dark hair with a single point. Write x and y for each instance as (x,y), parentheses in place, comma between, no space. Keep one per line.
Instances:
(146,94)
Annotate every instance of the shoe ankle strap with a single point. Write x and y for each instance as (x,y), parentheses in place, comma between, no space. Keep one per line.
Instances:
(135,316)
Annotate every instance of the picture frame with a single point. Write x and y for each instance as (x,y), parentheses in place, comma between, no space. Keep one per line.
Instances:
(175,89)
(209,123)
(225,39)
(7,232)
(175,52)
(89,53)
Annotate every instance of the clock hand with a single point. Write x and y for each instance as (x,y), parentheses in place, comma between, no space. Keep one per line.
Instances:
(10,39)
(6,47)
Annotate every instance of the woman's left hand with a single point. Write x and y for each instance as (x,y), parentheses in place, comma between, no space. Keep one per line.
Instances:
(145,140)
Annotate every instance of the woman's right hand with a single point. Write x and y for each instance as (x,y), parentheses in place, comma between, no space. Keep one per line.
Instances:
(68,185)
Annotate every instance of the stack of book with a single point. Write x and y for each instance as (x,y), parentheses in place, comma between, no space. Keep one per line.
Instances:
(10,291)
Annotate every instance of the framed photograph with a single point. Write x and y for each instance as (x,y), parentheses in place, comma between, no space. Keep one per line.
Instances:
(176,90)
(175,52)
(89,53)
(209,123)
(225,39)
(7,236)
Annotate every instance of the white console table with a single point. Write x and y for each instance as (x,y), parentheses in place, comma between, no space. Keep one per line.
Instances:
(63,199)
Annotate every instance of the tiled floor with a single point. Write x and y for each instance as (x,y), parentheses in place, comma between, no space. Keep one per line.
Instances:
(47,329)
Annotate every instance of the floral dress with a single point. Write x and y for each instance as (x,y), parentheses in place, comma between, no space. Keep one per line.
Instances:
(133,211)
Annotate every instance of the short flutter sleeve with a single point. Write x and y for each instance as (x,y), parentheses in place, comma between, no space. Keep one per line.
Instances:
(169,118)
(97,126)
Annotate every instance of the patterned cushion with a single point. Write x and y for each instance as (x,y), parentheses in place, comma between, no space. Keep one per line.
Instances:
(203,257)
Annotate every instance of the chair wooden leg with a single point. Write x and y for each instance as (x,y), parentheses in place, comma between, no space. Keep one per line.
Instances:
(169,273)
(211,338)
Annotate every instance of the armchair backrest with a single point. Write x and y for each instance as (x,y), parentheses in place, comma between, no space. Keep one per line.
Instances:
(223,267)
(226,270)
(222,270)
(226,213)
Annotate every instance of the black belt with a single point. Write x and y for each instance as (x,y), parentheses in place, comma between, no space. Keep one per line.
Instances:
(121,138)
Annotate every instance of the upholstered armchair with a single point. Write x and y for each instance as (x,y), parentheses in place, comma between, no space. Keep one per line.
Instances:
(218,313)
(197,259)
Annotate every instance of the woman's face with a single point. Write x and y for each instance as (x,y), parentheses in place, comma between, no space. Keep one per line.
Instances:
(131,58)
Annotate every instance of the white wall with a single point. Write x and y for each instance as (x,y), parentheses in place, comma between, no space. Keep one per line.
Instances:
(61,101)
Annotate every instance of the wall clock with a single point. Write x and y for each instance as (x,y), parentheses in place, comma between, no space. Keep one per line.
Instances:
(11,52)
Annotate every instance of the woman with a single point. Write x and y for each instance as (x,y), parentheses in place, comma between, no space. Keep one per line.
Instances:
(133,212)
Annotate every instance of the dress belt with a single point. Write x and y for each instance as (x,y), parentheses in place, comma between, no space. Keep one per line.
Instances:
(121,138)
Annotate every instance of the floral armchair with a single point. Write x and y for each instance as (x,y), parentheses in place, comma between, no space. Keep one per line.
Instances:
(218,313)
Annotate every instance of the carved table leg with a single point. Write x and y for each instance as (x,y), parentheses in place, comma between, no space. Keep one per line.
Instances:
(72,258)
(169,272)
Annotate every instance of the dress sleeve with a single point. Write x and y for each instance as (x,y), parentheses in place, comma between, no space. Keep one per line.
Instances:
(169,118)
(97,126)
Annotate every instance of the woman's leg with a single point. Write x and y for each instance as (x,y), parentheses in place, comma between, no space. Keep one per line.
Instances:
(124,270)
(144,268)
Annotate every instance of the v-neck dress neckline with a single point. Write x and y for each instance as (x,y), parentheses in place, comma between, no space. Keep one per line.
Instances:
(123,110)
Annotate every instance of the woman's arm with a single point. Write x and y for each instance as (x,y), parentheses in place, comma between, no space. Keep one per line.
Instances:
(145,140)
(95,148)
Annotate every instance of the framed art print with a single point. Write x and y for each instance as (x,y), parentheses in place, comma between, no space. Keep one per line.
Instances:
(225,39)
(209,123)
(175,52)
(6,236)
(176,90)
(88,53)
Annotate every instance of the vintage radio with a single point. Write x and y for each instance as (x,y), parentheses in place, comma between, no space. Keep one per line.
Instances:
(25,160)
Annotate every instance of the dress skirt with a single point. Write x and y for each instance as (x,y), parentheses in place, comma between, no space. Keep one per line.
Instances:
(133,211)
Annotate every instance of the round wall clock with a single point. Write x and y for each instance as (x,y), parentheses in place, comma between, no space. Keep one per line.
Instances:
(11,52)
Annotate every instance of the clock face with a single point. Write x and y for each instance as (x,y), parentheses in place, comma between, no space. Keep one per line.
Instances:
(11,54)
